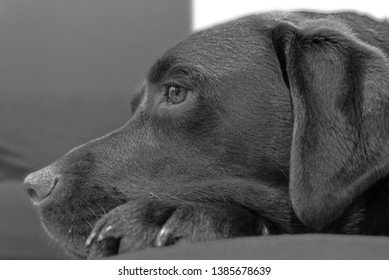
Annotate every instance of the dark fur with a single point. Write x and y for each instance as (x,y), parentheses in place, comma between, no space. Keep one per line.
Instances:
(289,115)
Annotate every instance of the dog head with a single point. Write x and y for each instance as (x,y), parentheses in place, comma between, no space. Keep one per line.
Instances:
(276,99)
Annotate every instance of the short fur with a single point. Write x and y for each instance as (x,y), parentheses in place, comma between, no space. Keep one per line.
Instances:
(289,114)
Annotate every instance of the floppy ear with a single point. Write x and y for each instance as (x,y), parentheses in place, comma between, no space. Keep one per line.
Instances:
(339,87)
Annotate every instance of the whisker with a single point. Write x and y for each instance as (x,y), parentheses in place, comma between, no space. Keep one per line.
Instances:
(90,209)
(102,208)
(154,195)
(86,220)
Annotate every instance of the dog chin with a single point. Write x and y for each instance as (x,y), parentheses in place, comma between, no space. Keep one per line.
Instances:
(74,245)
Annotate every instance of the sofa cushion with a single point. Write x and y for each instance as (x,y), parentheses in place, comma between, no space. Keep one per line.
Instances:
(280,247)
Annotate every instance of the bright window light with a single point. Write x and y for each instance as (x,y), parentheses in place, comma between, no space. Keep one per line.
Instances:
(209,12)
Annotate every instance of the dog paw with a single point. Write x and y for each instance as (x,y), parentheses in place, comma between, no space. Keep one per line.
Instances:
(147,223)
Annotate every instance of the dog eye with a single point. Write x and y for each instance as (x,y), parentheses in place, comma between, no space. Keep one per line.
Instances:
(176,95)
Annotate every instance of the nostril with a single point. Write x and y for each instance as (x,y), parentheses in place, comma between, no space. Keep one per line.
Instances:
(40,184)
(32,194)
(55,181)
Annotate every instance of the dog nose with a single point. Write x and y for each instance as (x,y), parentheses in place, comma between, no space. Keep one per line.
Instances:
(40,184)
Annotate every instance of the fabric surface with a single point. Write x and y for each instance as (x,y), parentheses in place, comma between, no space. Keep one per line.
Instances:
(282,247)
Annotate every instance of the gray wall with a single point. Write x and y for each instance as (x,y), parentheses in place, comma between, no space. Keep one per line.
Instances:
(84,45)
(68,69)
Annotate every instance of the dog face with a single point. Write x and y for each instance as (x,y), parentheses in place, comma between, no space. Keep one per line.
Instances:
(213,110)
(236,114)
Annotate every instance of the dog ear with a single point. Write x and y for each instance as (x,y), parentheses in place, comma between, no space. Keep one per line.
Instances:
(339,88)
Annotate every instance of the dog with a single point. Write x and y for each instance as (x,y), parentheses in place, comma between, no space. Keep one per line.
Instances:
(269,124)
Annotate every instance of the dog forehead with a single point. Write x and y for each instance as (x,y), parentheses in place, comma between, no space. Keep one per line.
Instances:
(222,40)
(219,49)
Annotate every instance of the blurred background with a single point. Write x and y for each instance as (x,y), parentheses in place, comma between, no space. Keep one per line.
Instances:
(68,70)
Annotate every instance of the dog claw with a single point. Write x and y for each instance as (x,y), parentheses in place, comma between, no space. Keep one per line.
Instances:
(163,237)
(265,230)
(100,237)
(103,233)
(90,239)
